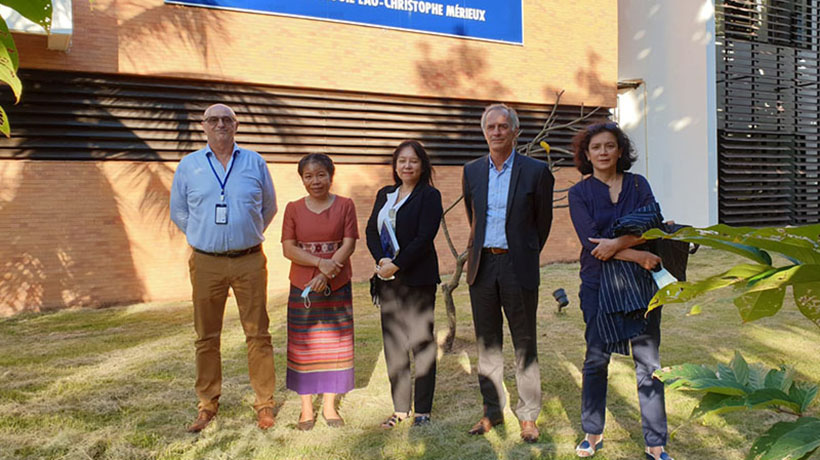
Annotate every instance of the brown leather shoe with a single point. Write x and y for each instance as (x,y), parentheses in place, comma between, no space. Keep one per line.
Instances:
(203,418)
(265,418)
(484,425)
(529,432)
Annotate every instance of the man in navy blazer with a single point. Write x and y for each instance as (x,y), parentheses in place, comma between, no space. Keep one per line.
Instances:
(509,205)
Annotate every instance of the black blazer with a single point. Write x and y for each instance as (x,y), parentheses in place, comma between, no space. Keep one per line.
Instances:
(529,214)
(417,222)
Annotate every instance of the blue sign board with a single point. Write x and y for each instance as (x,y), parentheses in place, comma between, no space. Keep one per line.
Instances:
(495,20)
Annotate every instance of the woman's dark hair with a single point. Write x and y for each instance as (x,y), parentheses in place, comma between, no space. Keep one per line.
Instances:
(580,146)
(319,158)
(426,167)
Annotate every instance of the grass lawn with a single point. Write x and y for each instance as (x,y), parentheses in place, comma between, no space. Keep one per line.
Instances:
(117,383)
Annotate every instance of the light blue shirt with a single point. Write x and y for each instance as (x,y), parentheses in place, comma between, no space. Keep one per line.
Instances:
(498,187)
(249,197)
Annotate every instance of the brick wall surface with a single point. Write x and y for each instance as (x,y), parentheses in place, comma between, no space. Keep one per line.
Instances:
(567,45)
(88,234)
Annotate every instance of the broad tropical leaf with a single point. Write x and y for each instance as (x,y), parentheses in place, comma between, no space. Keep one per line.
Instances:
(5,127)
(780,379)
(685,291)
(8,72)
(711,237)
(803,393)
(760,304)
(787,440)
(757,376)
(789,275)
(740,369)
(680,375)
(701,378)
(718,404)
(807,298)
(36,11)
(8,41)
(770,397)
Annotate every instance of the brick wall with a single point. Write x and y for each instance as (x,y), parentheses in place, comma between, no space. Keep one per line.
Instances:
(567,45)
(88,234)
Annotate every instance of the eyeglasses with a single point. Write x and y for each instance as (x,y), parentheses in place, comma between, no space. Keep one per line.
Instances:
(599,126)
(213,121)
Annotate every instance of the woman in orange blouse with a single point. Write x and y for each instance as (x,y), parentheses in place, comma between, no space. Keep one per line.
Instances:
(319,235)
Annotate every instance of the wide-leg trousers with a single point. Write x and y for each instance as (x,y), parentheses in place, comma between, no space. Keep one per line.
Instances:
(407,314)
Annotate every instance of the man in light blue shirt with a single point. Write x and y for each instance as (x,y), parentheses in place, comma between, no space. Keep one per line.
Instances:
(223,199)
(498,188)
(508,199)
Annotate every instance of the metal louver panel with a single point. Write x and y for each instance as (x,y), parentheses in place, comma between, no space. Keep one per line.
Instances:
(91,117)
(768,110)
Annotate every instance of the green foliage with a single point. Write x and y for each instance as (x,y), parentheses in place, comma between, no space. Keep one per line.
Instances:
(740,386)
(37,11)
(760,288)
(786,440)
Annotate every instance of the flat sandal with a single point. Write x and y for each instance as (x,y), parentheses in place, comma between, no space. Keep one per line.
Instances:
(586,447)
(391,422)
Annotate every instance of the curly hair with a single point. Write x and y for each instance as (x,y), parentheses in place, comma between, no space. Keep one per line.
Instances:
(580,146)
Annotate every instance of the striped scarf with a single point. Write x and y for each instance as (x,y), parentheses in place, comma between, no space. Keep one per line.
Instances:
(626,287)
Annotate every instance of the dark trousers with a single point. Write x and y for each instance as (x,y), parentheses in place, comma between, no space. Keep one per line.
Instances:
(496,288)
(407,327)
(645,353)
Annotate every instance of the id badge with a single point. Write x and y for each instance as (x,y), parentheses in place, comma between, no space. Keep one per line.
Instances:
(221,214)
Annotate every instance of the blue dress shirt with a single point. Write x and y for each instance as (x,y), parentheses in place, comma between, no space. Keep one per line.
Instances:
(249,197)
(498,187)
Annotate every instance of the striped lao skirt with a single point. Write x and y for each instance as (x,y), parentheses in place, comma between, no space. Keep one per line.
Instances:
(320,342)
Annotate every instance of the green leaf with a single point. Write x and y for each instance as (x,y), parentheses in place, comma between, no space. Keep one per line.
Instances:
(8,41)
(685,291)
(718,236)
(8,74)
(695,310)
(787,440)
(803,393)
(5,127)
(807,298)
(720,386)
(718,404)
(802,245)
(684,372)
(769,397)
(793,274)
(740,368)
(780,379)
(757,376)
(760,304)
(36,11)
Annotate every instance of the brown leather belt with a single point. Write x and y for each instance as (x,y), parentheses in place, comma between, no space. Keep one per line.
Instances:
(232,254)
(494,250)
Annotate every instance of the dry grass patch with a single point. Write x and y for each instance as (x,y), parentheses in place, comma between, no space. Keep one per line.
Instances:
(117,383)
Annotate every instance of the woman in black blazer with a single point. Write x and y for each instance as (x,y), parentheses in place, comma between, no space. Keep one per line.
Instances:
(412,209)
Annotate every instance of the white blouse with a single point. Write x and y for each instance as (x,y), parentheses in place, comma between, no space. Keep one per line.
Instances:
(390,208)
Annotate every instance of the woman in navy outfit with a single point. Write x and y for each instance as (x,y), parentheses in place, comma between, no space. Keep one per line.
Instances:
(411,207)
(603,153)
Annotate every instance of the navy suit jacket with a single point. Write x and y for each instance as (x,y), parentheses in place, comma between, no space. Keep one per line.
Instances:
(529,214)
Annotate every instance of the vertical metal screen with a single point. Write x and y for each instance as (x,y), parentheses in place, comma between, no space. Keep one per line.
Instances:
(768,90)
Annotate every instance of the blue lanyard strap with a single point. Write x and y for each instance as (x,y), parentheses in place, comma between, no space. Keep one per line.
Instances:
(228,174)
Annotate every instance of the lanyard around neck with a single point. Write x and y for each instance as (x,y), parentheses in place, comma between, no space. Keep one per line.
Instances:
(228,174)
